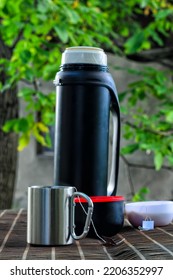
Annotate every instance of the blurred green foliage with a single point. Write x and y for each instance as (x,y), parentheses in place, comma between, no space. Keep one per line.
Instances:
(33,35)
(150,127)
(141,194)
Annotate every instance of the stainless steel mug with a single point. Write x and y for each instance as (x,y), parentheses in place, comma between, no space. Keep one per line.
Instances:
(51,215)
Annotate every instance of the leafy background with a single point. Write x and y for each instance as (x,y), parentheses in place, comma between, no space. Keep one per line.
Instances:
(33,35)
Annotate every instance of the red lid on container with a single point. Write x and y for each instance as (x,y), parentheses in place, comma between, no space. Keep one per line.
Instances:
(101,199)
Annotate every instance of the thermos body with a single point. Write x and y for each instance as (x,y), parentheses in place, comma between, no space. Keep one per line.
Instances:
(85,96)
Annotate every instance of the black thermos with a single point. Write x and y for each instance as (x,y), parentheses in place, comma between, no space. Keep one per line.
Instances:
(85,96)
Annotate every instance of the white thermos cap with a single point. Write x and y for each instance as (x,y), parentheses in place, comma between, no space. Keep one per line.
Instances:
(89,55)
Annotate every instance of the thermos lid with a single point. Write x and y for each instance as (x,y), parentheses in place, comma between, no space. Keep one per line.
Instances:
(83,54)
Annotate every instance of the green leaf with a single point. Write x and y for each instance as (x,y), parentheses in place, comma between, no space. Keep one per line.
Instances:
(134,43)
(42,127)
(48,117)
(29,74)
(129,149)
(143,3)
(25,92)
(122,96)
(125,32)
(171,146)
(42,6)
(170,159)
(146,45)
(9,125)
(144,190)
(38,136)
(141,194)
(136,197)
(73,16)
(158,160)
(162,14)
(25,56)
(2,3)
(49,71)
(21,125)
(5,87)
(62,33)
(23,141)
(155,37)
(48,140)
(16,125)
(169,117)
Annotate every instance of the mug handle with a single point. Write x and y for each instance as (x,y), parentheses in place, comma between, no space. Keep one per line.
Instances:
(88,217)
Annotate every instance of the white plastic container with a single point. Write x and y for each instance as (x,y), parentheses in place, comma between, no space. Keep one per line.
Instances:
(161,212)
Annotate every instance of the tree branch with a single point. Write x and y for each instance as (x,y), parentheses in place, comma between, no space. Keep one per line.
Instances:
(19,36)
(153,55)
(4,50)
(156,132)
(35,84)
(144,166)
(129,175)
(163,56)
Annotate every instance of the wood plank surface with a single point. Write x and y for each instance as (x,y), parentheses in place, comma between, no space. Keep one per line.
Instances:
(129,243)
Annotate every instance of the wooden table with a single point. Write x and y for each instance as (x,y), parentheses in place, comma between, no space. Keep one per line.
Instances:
(129,244)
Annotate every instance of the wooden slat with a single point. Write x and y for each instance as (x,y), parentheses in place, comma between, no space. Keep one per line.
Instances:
(129,244)
(13,244)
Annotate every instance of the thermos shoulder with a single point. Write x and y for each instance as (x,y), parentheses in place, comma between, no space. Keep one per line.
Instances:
(95,78)
(64,77)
